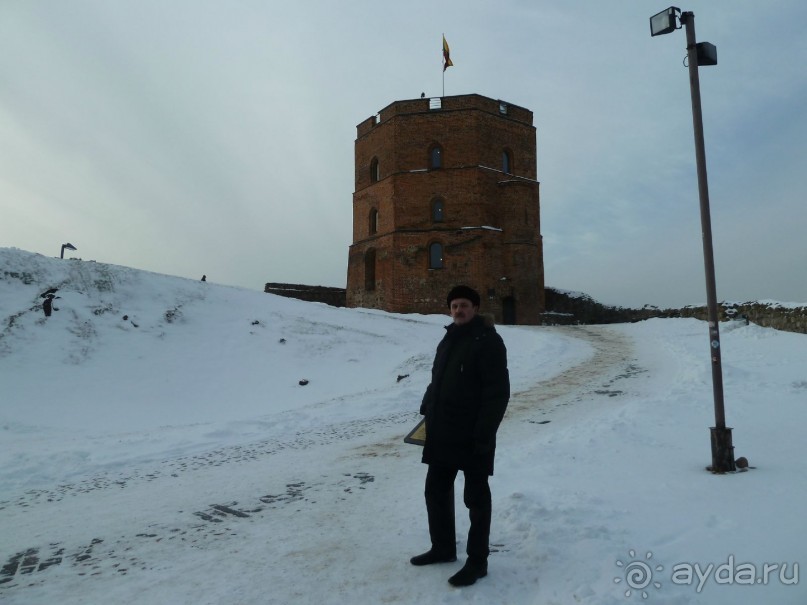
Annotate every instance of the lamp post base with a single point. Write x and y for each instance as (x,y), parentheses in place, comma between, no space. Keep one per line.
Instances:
(722,451)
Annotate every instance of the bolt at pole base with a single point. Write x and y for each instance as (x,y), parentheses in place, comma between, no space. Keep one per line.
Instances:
(722,451)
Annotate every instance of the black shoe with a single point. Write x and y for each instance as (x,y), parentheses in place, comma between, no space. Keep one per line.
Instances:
(427,558)
(469,574)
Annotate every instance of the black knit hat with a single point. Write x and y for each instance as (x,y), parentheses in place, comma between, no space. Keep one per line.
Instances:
(463,292)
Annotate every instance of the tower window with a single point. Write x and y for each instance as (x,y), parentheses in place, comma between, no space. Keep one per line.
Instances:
(436,157)
(507,161)
(369,270)
(437,210)
(375,174)
(373,221)
(436,256)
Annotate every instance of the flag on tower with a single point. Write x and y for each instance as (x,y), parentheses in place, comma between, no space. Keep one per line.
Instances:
(446,55)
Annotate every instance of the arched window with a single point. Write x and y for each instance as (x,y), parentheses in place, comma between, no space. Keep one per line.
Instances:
(373,221)
(435,256)
(369,270)
(438,207)
(435,157)
(507,161)
(375,175)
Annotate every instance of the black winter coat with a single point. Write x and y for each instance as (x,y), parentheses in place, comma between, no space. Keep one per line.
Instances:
(467,397)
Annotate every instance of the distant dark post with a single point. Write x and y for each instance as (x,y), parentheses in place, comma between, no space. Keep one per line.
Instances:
(67,247)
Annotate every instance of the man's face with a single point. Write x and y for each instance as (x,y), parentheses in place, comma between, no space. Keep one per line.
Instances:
(462,311)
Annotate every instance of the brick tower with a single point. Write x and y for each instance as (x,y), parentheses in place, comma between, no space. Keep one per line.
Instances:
(446,194)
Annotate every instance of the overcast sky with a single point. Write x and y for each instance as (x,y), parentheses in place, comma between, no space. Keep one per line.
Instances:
(196,137)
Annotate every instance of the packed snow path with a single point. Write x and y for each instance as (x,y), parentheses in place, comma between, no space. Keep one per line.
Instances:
(278,488)
(611,363)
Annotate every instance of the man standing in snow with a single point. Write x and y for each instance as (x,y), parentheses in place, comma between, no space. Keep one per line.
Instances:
(463,405)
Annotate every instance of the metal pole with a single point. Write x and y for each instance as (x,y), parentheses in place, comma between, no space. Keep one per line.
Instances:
(722,449)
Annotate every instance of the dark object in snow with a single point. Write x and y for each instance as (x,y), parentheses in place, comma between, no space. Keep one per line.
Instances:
(402,376)
(204,278)
(49,293)
(303,382)
(282,341)
(256,323)
(125,317)
(47,305)
(741,465)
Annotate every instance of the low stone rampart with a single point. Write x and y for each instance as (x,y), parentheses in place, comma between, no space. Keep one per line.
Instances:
(790,318)
(324,294)
(565,308)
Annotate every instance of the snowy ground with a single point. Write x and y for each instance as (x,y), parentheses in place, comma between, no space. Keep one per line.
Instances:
(172,457)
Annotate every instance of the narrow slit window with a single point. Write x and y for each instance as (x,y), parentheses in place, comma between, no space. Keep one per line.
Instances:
(375,175)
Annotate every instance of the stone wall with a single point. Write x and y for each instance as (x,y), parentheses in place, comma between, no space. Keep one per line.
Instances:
(769,315)
(324,294)
(564,308)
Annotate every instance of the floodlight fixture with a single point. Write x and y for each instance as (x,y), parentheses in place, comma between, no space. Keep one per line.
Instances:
(665,21)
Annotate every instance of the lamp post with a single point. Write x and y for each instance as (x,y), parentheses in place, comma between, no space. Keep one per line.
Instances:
(703,54)
(67,246)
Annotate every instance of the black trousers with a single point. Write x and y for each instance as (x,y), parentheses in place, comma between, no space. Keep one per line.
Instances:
(440,508)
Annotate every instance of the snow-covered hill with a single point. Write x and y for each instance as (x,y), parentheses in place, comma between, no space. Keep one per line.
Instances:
(157,446)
